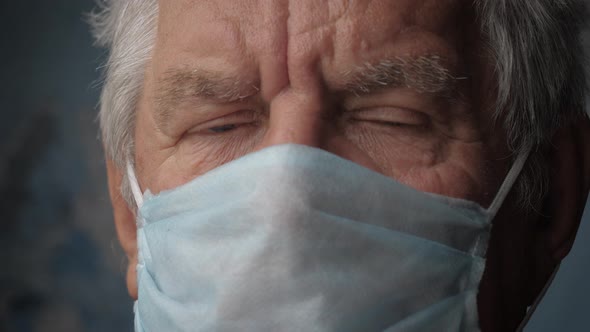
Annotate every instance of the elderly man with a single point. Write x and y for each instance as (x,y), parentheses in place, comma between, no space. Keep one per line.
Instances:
(329,165)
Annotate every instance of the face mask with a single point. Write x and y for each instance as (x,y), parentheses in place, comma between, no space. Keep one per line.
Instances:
(293,238)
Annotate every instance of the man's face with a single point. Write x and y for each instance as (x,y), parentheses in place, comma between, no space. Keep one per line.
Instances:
(394,85)
(399,86)
(403,87)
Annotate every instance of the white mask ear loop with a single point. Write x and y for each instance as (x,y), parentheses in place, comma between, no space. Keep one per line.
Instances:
(137,195)
(531,310)
(508,182)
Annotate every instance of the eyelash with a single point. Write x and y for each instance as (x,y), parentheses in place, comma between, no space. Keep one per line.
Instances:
(390,117)
(226,124)
(222,129)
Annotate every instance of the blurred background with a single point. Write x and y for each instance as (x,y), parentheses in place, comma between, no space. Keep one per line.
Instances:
(61,266)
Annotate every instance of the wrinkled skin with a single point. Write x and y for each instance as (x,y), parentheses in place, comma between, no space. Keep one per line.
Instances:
(293,59)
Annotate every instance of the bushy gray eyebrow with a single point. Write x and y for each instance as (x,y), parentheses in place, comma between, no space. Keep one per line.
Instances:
(425,74)
(179,85)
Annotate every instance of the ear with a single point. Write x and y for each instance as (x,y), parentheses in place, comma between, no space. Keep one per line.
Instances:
(570,181)
(125,225)
(564,205)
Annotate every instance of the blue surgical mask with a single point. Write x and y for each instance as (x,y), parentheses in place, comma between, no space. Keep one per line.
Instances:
(293,238)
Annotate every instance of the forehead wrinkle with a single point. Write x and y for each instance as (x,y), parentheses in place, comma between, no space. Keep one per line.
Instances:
(316,18)
(178,86)
(425,74)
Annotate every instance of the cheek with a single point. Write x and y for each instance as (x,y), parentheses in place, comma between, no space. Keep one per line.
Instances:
(461,173)
(395,150)
(430,160)
(440,166)
(194,156)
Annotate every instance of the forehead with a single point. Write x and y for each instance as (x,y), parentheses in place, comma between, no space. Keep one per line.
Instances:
(242,36)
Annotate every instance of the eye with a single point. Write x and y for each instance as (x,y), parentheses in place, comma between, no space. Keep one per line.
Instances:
(390,117)
(226,124)
(222,129)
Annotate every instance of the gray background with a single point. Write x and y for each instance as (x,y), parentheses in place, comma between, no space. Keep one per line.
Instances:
(61,266)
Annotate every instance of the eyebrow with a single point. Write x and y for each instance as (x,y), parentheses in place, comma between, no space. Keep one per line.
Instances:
(179,85)
(425,74)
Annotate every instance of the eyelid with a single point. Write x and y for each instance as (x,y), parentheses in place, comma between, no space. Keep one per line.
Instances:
(390,114)
(237,118)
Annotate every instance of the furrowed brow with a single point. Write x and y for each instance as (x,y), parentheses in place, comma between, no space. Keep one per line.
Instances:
(178,86)
(425,74)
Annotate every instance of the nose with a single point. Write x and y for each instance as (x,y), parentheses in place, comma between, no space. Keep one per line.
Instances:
(297,119)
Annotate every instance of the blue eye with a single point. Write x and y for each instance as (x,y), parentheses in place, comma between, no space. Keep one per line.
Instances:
(223,129)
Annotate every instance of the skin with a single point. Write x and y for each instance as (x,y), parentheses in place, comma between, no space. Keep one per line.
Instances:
(292,58)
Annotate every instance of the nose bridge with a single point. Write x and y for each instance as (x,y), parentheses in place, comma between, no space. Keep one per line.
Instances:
(305,118)
(296,118)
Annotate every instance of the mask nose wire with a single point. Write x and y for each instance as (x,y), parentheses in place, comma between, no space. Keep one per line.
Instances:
(135,190)
(509,181)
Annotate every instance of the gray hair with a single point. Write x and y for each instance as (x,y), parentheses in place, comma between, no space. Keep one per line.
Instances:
(128,29)
(535,45)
